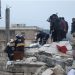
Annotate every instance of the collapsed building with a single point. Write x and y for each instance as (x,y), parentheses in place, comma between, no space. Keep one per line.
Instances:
(38,60)
(43,60)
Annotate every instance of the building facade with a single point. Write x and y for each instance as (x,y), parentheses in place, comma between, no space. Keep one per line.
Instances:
(28,31)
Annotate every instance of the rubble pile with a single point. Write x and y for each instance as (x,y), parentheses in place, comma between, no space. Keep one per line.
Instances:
(46,60)
(50,55)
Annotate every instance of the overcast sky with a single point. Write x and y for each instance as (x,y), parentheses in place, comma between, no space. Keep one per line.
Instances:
(36,12)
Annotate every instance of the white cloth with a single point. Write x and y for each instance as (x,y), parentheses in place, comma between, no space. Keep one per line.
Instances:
(71,72)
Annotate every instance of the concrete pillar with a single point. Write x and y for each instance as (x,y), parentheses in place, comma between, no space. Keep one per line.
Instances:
(7,24)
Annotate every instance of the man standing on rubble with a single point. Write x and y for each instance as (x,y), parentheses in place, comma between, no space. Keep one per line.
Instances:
(54,27)
(73,26)
(19,47)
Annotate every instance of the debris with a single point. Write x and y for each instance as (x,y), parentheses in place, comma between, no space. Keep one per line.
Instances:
(31,59)
(47,72)
(58,70)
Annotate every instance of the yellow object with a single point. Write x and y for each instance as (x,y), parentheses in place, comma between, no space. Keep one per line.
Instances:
(20,44)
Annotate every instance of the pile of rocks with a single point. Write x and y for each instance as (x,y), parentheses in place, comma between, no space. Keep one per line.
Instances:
(46,60)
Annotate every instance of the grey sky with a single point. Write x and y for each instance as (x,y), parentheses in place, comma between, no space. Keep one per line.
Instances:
(36,12)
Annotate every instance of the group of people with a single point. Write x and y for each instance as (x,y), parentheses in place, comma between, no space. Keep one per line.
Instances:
(15,47)
(58,30)
(58,27)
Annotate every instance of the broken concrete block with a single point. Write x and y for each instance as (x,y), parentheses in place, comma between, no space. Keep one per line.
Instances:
(47,72)
(40,70)
(31,59)
(58,70)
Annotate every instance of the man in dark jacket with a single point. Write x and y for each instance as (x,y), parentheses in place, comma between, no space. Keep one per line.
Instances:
(73,26)
(42,37)
(54,27)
